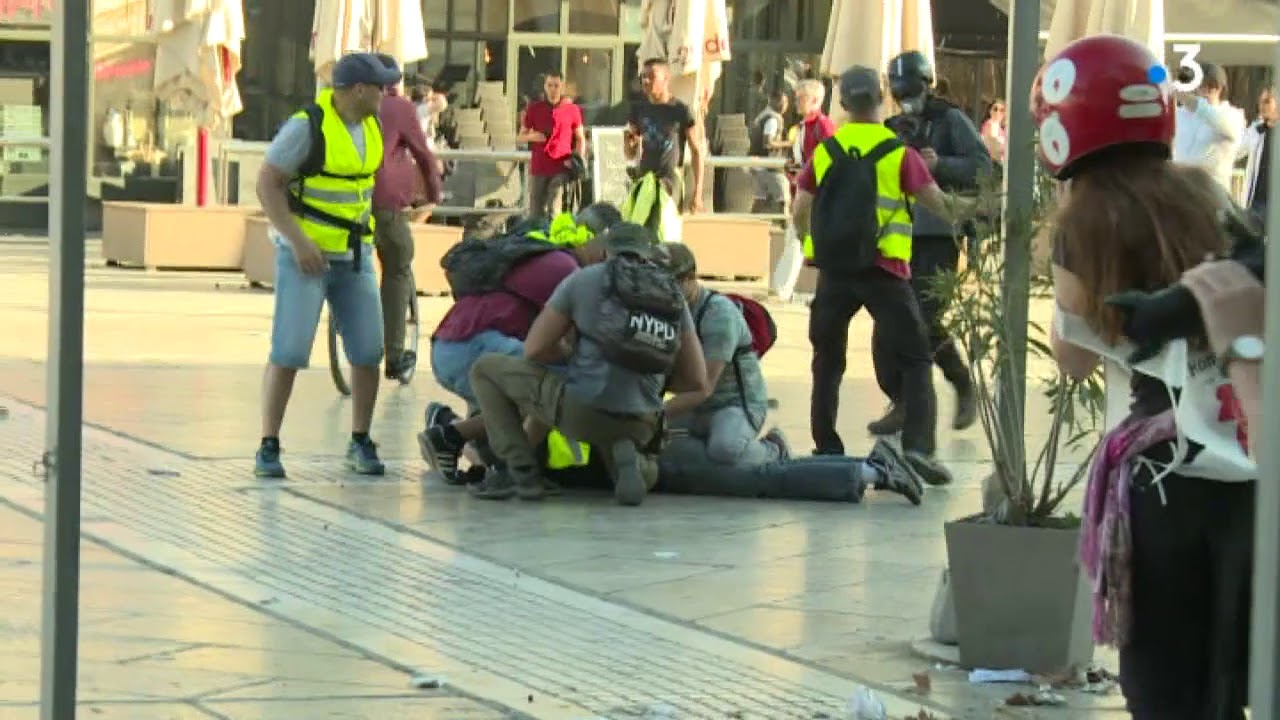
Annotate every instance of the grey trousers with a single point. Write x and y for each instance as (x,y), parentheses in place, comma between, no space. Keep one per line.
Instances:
(393,241)
(685,468)
(546,194)
(729,436)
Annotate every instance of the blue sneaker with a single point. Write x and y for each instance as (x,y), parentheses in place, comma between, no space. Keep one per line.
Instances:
(362,457)
(266,464)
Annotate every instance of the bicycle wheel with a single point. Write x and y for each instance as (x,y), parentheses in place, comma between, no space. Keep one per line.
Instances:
(337,359)
(412,331)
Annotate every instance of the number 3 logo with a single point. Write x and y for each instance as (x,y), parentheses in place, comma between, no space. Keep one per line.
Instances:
(1189,51)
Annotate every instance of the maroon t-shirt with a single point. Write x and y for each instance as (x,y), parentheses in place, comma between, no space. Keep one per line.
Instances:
(511,311)
(559,124)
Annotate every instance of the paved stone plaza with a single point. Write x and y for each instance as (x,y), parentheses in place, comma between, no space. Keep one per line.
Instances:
(209,594)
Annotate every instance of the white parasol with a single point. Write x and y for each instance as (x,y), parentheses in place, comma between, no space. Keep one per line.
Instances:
(340,27)
(693,37)
(872,33)
(1140,20)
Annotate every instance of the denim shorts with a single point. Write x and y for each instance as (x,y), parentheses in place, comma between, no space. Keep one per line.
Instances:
(353,299)
(451,360)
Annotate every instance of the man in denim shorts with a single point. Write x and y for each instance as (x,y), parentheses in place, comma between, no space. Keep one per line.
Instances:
(318,200)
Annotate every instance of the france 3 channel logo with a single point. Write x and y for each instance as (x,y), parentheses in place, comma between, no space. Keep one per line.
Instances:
(1189,75)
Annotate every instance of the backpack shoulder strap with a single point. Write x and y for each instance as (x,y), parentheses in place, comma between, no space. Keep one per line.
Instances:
(315,157)
(702,311)
(834,149)
(877,153)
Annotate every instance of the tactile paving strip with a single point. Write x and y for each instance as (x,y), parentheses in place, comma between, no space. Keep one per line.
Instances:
(323,563)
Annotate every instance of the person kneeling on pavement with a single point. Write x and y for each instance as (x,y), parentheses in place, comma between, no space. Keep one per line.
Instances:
(624,328)
(500,286)
(715,446)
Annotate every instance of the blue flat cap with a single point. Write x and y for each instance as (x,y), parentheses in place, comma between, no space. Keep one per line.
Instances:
(363,69)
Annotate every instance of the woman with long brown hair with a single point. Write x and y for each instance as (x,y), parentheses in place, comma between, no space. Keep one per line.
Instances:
(1168,520)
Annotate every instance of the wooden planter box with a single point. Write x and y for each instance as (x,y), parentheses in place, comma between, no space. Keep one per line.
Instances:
(154,235)
(430,244)
(729,249)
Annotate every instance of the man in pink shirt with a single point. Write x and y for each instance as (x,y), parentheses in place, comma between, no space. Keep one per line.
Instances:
(845,286)
(404,147)
(553,129)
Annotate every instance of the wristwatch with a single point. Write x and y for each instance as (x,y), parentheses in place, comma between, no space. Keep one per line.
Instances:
(1246,348)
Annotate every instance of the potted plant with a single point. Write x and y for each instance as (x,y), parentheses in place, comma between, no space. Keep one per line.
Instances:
(1020,598)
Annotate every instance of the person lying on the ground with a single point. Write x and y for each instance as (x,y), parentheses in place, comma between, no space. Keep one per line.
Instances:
(716,448)
(488,319)
(632,334)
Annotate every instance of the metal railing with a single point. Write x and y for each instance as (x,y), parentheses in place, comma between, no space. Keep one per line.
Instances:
(229,151)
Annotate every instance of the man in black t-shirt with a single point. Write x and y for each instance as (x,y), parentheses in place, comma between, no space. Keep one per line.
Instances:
(658,130)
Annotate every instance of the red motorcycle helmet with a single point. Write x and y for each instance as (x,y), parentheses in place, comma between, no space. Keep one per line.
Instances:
(1100,92)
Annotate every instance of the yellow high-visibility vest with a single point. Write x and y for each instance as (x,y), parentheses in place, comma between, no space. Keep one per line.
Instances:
(344,187)
(893,208)
(564,453)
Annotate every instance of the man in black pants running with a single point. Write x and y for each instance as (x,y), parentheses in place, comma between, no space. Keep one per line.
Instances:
(871,271)
(959,160)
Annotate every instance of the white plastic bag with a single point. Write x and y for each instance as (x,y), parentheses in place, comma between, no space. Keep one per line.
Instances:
(864,705)
(790,262)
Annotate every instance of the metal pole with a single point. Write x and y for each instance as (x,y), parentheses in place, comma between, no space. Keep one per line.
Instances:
(1019,187)
(67,198)
(1264,691)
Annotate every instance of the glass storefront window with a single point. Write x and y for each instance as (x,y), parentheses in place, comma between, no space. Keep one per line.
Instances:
(589,80)
(537,16)
(596,17)
(487,16)
(24,114)
(435,15)
(130,133)
(532,64)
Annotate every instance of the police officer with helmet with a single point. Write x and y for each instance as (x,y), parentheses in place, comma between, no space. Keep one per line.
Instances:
(869,270)
(959,160)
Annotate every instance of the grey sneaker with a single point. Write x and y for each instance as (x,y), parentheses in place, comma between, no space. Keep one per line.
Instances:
(362,457)
(439,414)
(496,485)
(776,438)
(440,454)
(896,472)
(266,464)
(928,468)
(629,487)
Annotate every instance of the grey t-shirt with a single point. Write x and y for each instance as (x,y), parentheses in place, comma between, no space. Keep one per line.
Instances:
(289,149)
(592,380)
(723,330)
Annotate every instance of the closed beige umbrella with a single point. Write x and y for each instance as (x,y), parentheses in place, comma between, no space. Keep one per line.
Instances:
(693,37)
(1140,20)
(340,27)
(871,33)
(398,30)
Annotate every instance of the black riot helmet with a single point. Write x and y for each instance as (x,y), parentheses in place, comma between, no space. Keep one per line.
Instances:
(910,77)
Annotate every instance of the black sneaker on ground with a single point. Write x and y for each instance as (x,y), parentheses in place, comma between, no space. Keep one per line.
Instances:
(896,473)
(473,475)
(966,409)
(629,487)
(439,414)
(890,424)
(440,454)
(928,468)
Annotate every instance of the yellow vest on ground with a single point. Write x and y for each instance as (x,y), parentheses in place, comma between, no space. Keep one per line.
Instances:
(563,453)
(343,190)
(893,208)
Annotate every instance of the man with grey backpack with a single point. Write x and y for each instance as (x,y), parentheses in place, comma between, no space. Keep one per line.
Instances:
(625,332)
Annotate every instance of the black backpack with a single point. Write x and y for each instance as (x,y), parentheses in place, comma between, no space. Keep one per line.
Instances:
(477,266)
(846,226)
(641,316)
(759,143)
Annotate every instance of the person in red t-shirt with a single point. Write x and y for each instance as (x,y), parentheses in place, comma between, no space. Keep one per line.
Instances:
(553,129)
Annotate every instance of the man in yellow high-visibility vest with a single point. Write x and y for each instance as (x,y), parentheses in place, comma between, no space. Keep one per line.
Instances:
(852,275)
(316,187)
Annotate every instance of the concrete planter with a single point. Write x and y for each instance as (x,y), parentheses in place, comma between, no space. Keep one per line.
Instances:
(1021,599)
(154,235)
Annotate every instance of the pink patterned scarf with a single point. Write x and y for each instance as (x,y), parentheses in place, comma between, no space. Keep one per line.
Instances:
(1106,543)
